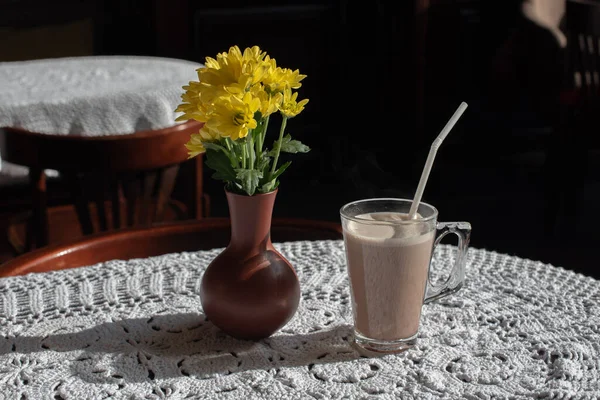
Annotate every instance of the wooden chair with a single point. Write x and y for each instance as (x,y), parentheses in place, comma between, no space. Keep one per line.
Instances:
(132,243)
(127,178)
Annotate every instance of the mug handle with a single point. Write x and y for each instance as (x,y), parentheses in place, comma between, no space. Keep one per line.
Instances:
(457,276)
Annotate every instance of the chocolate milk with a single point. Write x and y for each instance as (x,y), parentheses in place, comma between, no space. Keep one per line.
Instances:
(388,267)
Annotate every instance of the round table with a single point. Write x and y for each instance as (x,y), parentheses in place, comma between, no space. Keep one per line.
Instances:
(90,96)
(135,330)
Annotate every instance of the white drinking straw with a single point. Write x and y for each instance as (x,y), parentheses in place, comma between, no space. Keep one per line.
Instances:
(434,148)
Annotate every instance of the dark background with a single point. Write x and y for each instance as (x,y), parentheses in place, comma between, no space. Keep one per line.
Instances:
(383,78)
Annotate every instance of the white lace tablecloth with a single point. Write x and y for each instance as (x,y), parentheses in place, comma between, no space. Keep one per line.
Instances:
(134,329)
(92,96)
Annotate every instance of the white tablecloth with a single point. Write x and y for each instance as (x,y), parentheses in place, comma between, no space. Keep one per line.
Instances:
(134,329)
(91,96)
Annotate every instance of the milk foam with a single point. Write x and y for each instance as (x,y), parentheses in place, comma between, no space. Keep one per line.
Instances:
(392,234)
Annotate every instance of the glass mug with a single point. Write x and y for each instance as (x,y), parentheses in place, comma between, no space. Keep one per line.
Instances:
(388,258)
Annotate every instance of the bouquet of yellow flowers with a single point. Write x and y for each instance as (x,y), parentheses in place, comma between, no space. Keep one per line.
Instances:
(234,97)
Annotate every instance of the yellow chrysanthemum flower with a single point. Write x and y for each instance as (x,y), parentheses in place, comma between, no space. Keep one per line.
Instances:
(276,79)
(272,77)
(224,70)
(197,101)
(253,63)
(289,107)
(269,102)
(232,117)
(292,78)
(234,71)
(190,101)
(196,144)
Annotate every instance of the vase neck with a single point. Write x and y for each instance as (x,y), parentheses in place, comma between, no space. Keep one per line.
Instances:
(251,220)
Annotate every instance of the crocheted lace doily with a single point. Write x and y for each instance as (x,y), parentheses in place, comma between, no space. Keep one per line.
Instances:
(135,330)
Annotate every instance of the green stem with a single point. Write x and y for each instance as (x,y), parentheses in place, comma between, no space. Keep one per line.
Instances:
(227,144)
(232,156)
(257,146)
(283,124)
(244,157)
(263,134)
(250,146)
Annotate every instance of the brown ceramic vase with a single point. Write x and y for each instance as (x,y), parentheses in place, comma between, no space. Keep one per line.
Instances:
(250,290)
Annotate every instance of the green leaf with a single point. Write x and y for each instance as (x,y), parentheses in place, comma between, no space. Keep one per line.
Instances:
(218,147)
(289,146)
(249,179)
(273,183)
(263,166)
(214,146)
(280,170)
(263,163)
(235,187)
(295,146)
(220,163)
(284,140)
(269,186)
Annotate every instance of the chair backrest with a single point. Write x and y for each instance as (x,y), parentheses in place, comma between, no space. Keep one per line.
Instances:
(127,178)
(132,243)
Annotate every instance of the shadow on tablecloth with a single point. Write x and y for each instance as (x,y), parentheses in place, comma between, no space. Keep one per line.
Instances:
(169,346)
